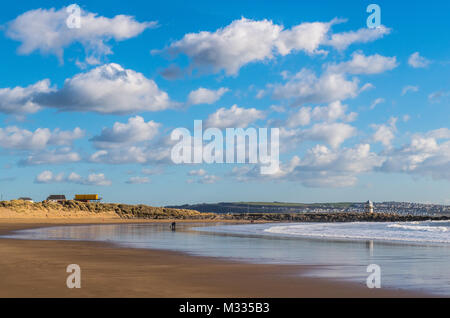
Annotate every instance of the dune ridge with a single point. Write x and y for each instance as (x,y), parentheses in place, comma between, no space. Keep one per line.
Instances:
(75,209)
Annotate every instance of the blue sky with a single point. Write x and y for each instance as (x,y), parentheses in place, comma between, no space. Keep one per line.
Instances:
(363,113)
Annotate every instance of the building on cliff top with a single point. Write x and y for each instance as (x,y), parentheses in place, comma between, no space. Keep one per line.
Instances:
(56,197)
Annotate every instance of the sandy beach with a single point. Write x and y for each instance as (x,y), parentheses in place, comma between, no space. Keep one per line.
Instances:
(38,269)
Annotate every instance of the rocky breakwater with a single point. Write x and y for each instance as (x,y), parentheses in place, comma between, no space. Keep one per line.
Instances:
(332,217)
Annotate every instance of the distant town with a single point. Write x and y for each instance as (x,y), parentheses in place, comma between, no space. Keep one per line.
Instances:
(390,207)
(403,208)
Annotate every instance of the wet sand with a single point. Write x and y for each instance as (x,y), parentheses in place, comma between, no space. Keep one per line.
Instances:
(38,269)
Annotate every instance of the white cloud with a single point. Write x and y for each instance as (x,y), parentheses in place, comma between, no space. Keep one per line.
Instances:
(136,130)
(205,96)
(229,48)
(245,41)
(138,180)
(19,100)
(277,108)
(301,117)
(366,87)
(417,61)
(321,167)
(260,94)
(303,37)
(409,88)
(133,154)
(361,64)
(306,87)
(441,133)
(54,156)
(208,179)
(341,41)
(376,102)
(12,137)
(330,113)
(108,89)
(385,133)
(234,117)
(46,31)
(48,176)
(423,156)
(96,179)
(204,178)
(334,134)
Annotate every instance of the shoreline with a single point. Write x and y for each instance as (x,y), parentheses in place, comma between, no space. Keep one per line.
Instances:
(31,268)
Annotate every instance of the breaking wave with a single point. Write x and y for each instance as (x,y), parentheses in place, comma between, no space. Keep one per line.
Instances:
(428,232)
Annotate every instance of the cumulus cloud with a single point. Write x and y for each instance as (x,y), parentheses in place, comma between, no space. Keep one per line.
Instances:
(229,48)
(208,179)
(245,41)
(361,64)
(12,137)
(19,100)
(203,177)
(53,156)
(425,155)
(205,96)
(48,176)
(136,141)
(417,61)
(441,133)
(333,134)
(306,87)
(135,130)
(143,154)
(108,89)
(46,31)
(321,167)
(234,117)
(341,41)
(332,112)
(385,133)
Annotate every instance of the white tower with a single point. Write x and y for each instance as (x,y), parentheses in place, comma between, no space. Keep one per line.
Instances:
(368,207)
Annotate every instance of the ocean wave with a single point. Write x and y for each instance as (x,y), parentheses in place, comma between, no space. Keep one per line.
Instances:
(411,232)
(420,227)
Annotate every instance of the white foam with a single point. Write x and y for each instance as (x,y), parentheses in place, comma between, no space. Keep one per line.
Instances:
(410,231)
(420,228)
